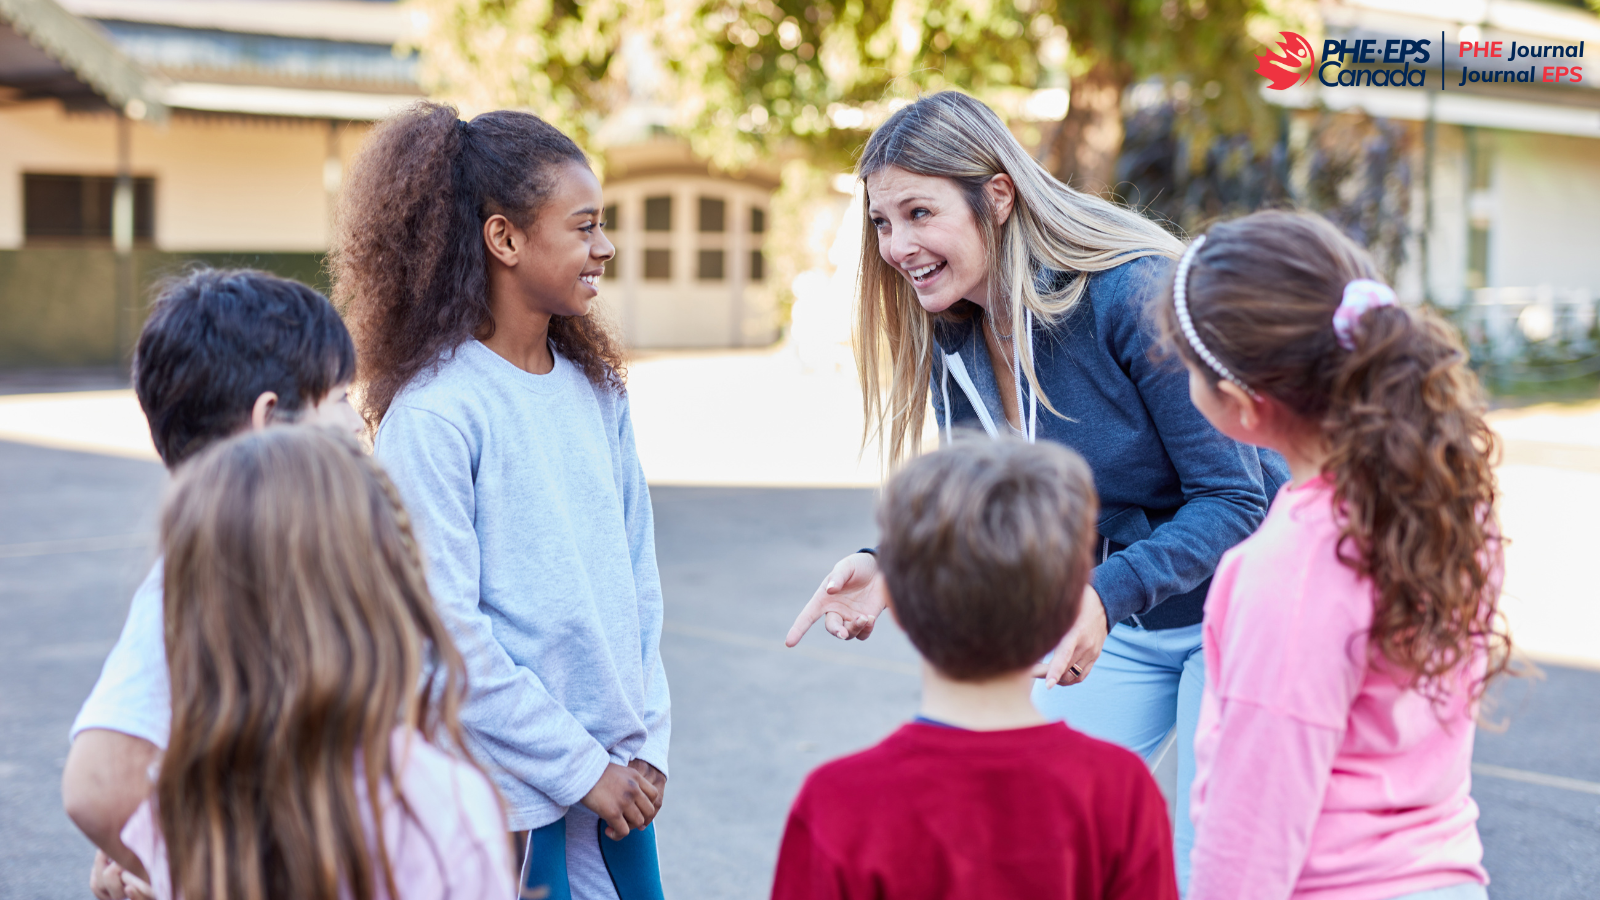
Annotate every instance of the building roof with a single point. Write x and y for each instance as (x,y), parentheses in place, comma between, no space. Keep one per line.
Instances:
(191,54)
(46,51)
(318,59)
(358,21)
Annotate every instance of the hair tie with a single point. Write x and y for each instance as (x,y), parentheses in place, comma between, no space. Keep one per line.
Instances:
(1180,302)
(1360,295)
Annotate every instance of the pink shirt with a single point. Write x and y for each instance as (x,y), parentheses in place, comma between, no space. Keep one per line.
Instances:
(456,845)
(1317,773)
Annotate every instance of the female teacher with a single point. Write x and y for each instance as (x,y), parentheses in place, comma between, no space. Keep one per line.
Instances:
(1017,304)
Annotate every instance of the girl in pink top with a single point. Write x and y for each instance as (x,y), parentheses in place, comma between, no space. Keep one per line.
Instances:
(1348,641)
(315,748)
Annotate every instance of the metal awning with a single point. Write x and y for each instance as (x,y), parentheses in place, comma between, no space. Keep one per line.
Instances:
(46,51)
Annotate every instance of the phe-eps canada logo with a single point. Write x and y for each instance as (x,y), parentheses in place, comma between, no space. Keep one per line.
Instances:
(1282,70)
(1404,59)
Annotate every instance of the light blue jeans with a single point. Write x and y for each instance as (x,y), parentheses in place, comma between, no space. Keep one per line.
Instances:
(1470,890)
(1143,684)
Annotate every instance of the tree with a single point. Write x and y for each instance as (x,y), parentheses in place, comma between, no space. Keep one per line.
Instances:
(746,78)
(1204,44)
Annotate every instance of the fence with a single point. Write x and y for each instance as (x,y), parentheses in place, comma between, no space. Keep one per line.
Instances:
(58,305)
(1531,336)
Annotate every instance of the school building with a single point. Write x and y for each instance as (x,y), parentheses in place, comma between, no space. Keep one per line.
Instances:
(1506,173)
(138,136)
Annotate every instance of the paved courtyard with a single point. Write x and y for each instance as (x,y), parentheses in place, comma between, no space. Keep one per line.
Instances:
(750,718)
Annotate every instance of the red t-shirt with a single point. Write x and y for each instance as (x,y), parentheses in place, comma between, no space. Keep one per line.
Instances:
(1036,813)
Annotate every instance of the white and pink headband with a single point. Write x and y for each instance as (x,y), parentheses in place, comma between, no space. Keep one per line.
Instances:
(1360,296)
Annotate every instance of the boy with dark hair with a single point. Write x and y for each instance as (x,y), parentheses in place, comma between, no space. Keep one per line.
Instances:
(223,351)
(979,796)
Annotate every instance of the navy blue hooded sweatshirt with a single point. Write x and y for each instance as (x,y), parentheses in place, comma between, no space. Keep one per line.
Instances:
(1174,492)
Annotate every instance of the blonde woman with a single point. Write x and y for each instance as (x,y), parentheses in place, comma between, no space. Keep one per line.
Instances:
(1016,304)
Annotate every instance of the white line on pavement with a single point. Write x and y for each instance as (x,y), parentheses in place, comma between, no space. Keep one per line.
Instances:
(743,640)
(1539,778)
(77,545)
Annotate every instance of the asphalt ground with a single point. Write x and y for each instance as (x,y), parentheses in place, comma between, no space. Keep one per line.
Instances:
(750,717)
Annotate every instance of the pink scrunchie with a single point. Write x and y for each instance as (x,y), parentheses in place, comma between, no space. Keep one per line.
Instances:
(1359,296)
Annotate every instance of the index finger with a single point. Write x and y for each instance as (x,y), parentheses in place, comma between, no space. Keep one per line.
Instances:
(807,618)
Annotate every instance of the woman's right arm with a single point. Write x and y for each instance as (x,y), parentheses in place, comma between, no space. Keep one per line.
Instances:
(852,595)
(849,599)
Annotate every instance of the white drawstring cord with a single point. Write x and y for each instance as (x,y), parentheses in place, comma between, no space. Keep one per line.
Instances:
(944,390)
(1031,426)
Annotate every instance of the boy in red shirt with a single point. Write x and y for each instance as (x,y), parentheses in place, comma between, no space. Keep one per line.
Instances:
(987,547)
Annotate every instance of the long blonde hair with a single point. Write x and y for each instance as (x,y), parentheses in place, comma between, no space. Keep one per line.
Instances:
(300,635)
(1051,227)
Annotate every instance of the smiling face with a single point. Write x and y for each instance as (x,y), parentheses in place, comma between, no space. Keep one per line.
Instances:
(928,233)
(567,248)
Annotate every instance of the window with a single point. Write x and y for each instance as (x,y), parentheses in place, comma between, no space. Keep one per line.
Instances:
(758,220)
(758,266)
(712,214)
(657,265)
(612,222)
(710,268)
(78,207)
(658,214)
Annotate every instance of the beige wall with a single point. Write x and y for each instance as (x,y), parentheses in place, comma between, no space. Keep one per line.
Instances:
(222,183)
(1447,239)
(1545,229)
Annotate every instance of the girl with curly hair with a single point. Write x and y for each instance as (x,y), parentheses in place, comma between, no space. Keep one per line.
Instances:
(467,256)
(1348,640)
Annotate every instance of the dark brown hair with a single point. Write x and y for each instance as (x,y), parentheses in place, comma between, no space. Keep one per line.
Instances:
(408,260)
(300,637)
(217,339)
(1411,456)
(986,546)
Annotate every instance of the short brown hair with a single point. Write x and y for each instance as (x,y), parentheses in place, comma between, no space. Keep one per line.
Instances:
(986,546)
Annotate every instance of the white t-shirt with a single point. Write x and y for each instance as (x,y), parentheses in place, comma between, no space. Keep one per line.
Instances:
(451,846)
(132,695)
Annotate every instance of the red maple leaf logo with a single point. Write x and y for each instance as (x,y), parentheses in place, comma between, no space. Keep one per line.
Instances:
(1282,72)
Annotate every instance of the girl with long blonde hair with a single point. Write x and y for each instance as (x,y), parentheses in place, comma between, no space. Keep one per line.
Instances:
(316,749)
(1015,304)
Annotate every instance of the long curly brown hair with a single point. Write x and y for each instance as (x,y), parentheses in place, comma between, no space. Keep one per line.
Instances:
(1411,456)
(408,262)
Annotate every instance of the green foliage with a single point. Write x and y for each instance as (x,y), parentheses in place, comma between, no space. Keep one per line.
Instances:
(555,58)
(763,73)
(1204,51)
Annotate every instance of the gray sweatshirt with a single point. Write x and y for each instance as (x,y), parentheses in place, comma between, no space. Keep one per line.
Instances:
(534,518)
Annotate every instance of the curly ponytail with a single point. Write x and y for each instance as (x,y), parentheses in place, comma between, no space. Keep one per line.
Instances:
(408,261)
(1411,457)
